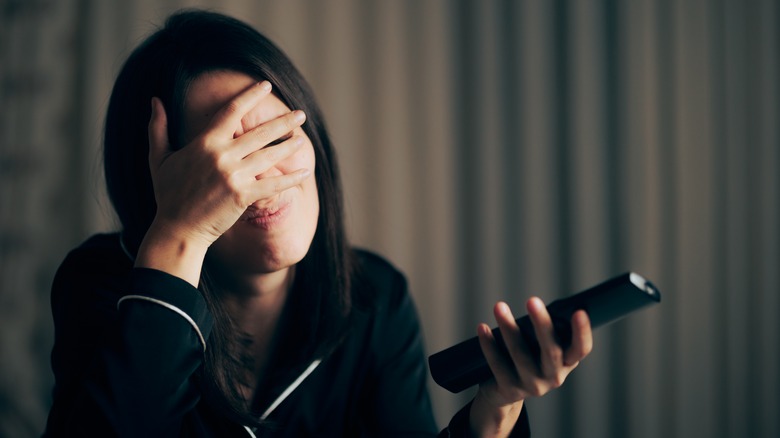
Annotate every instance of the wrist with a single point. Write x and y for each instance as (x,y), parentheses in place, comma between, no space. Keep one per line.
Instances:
(166,249)
(488,419)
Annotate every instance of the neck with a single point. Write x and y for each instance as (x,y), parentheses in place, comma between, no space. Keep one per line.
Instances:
(255,301)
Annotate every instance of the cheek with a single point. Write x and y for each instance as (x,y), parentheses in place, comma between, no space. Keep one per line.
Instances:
(304,159)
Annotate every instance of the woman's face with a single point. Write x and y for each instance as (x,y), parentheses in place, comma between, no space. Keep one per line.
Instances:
(273,234)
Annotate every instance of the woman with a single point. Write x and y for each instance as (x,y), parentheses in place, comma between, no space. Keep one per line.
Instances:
(231,303)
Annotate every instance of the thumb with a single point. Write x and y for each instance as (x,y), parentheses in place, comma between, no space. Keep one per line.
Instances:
(158,133)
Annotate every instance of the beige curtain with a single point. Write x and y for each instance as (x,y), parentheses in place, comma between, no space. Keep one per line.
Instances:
(492,150)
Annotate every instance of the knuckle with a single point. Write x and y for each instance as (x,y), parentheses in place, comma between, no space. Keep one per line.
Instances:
(232,181)
(205,138)
(291,121)
(558,379)
(588,347)
(586,350)
(232,178)
(227,176)
(231,108)
(263,133)
(555,354)
(537,389)
(220,161)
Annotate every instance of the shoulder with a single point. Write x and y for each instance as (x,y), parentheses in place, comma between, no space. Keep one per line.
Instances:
(90,273)
(100,250)
(373,267)
(377,282)
(381,293)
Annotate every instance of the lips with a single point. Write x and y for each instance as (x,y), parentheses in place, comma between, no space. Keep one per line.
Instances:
(265,217)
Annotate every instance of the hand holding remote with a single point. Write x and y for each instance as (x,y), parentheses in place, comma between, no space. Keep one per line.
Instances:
(464,365)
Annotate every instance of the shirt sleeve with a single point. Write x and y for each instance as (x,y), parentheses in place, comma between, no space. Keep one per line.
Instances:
(127,348)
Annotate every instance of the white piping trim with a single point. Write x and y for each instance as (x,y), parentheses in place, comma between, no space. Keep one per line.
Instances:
(167,306)
(290,389)
(124,248)
(252,434)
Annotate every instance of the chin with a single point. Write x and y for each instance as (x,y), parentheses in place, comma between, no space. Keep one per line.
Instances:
(274,260)
(255,248)
(247,257)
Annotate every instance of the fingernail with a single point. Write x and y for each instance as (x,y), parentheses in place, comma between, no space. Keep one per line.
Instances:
(299,116)
(265,86)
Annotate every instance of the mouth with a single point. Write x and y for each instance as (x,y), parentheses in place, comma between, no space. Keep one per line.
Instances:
(265,217)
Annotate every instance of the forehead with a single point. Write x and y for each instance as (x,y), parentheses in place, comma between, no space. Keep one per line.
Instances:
(212,91)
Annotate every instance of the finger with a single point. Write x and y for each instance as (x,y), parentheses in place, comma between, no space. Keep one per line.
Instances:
(513,339)
(551,355)
(229,116)
(273,185)
(504,373)
(262,160)
(158,133)
(268,132)
(581,339)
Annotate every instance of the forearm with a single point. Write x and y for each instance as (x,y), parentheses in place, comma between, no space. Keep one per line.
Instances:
(134,375)
(161,344)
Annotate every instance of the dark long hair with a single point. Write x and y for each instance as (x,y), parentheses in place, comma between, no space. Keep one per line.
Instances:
(164,65)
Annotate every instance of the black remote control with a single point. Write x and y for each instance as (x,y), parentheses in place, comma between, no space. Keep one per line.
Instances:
(464,365)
